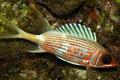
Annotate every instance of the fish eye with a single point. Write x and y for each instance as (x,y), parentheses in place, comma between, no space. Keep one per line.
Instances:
(107,59)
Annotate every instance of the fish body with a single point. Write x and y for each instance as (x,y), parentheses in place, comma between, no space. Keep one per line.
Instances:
(73,43)
(69,48)
(75,49)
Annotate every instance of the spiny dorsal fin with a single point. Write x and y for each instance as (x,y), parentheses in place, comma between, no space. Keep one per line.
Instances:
(77,30)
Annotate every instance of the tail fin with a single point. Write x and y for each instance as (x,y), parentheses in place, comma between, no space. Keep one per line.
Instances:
(14,31)
(38,19)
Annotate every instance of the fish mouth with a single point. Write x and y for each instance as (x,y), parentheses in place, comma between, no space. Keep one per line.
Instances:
(106,66)
(110,65)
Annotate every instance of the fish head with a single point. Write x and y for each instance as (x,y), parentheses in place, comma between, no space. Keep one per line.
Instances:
(103,59)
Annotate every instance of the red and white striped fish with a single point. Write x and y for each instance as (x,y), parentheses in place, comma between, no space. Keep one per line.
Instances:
(73,43)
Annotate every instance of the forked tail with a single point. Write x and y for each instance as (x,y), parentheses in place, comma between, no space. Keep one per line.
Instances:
(15,32)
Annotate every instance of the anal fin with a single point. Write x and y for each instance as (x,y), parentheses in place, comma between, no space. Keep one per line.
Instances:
(37,50)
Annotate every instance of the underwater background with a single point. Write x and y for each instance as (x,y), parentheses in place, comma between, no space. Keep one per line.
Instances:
(102,16)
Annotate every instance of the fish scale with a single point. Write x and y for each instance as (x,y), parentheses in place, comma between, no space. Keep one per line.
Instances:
(60,48)
(72,41)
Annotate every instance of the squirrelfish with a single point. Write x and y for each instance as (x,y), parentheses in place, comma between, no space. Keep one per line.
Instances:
(73,42)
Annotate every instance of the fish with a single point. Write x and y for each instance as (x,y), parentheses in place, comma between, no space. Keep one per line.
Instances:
(73,43)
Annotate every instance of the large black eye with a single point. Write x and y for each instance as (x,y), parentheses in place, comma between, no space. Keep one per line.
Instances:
(107,59)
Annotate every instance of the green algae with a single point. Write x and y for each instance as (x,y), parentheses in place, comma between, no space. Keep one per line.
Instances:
(118,1)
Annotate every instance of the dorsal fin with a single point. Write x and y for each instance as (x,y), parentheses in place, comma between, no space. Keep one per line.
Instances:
(77,30)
